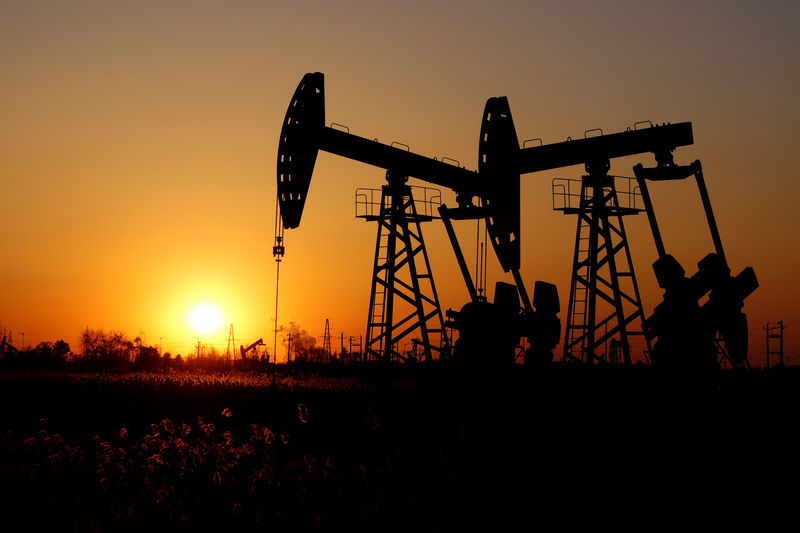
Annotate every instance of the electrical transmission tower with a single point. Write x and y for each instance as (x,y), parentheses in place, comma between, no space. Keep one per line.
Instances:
(326,342)
(779,336)
(230,348)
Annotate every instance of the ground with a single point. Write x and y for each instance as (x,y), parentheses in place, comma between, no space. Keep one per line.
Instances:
(372,449)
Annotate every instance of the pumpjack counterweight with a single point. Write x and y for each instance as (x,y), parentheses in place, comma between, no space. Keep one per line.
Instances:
(687,332)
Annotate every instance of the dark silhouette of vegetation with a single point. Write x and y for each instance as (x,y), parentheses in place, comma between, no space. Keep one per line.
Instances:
(44,355)
(413,449)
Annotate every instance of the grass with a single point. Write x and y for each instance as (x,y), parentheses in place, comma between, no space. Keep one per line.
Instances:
(411,449)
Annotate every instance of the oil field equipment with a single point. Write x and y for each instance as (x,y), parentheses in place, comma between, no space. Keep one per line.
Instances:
(304,133)
(398,274)
(604,297)
(687,332)
(604,301)
(250,351)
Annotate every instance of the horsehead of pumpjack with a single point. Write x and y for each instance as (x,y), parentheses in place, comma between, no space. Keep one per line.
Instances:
(298,147)
(499,171)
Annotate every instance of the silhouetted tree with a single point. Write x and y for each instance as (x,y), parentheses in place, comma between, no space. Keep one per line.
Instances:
(112,349)
(146,357)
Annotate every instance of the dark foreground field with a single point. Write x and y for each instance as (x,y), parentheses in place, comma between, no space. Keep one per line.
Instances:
(398,449)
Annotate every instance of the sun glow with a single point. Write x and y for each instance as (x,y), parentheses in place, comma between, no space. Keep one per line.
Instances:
(205,318)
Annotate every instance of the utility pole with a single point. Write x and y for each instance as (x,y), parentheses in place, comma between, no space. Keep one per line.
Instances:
(23,340)
(159,346)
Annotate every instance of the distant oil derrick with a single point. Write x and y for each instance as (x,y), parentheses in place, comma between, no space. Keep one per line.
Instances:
(326,341)
(251,350)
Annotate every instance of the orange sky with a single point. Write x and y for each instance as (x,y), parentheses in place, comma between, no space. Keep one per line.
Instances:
(138,146)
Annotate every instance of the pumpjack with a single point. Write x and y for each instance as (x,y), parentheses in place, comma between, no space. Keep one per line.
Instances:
(492,194)
(245,351)
(304,133)
(687,332)
(7,348)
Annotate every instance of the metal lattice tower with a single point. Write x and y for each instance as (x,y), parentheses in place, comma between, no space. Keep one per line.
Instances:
(770,345)
(326,341)
(230,348)
(604,297)
(403,297)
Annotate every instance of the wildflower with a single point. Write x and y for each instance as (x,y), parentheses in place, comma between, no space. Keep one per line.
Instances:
(226,413)
(302,412)
(31,444)
(269,436)
(168,426)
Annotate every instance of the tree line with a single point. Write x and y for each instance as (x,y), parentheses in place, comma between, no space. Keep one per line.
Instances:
(101,350)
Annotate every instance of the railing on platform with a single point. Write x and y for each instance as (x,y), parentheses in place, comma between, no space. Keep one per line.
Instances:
(567,193)
(370,202)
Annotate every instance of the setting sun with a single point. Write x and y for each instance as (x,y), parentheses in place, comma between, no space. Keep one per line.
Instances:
(205,318)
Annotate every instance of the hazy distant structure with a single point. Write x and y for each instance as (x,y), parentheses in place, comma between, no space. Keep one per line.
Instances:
(771,337)
(230,348)
(326,341)
(6,347)
(250,350)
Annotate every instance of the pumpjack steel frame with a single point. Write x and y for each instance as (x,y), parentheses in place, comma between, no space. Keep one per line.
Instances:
(398,276)
(725,325)
(597,276)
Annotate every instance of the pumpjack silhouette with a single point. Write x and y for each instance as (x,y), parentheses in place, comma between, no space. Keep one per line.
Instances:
(490,331)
